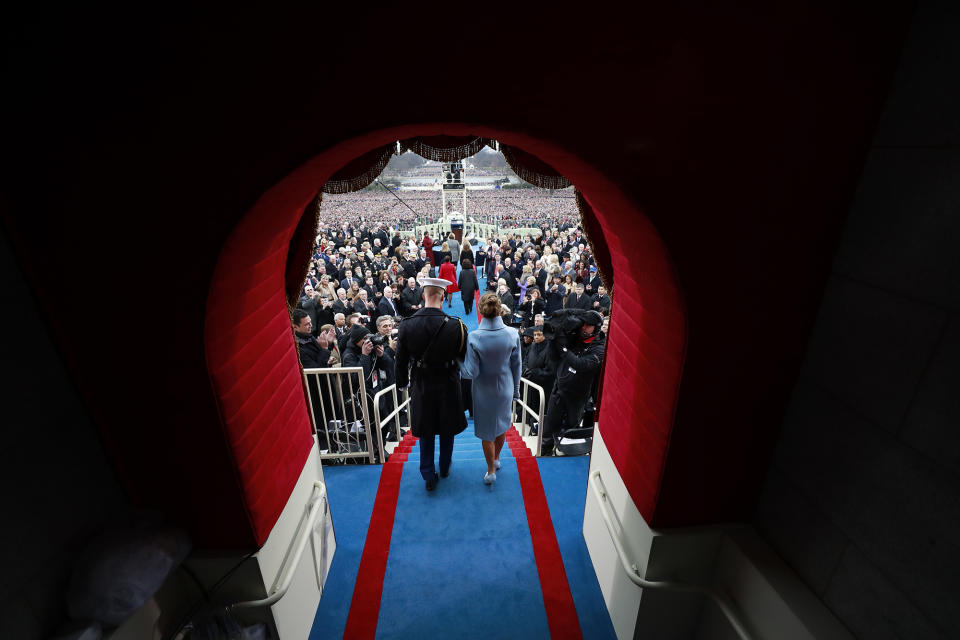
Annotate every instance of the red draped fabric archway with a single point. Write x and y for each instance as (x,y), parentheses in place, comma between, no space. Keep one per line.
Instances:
(253,362)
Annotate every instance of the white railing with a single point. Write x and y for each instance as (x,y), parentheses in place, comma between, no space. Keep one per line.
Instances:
(474,229)
(318,507)
(342,420)
(394,415)
(526,386)
(632,569)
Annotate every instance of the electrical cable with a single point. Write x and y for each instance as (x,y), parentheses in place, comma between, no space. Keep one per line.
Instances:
(193,610)
(193,576)
(397,197)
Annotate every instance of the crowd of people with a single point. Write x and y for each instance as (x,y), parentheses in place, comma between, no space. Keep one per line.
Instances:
(403,210)
(364,280)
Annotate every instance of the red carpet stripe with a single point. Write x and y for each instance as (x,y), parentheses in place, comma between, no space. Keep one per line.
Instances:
(365,604)
(557,599)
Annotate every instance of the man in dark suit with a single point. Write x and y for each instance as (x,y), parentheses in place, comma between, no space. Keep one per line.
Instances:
(542,275)
(370,286)
(320,310)
(579,299)
(508,275)
(411,298)
(341,304)
(430,347)
(421,261)
(601,301)
(339,325)
(386,306)
(554,295)
(491,268)
(365,307)
(346,271)
(593,284)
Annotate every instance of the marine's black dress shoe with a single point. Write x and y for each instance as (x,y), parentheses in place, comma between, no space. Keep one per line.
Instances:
(432,483)
(444,474)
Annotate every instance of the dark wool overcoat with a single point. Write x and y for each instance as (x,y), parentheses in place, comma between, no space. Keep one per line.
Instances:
(436,405)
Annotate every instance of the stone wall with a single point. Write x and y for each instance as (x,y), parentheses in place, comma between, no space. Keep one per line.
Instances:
(863,495)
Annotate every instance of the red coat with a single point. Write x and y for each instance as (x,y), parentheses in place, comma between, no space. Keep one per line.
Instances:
(428,245)
(449,272)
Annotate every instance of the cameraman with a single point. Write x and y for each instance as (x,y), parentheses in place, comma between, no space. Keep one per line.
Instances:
(362,352)
(369,351)
(578,346)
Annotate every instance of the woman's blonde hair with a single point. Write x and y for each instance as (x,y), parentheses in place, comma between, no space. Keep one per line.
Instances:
(445,247)
(489,305)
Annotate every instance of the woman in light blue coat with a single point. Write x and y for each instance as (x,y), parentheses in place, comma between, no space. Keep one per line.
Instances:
(493,362)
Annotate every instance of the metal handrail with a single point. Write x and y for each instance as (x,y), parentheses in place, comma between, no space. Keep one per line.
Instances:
(526,384)
(285,576)
(336,396)
(633,570)
(397,408)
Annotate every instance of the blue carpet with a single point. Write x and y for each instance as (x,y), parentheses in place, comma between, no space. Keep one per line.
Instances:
(461,560)
(470,320)
(565,484)
(351,490)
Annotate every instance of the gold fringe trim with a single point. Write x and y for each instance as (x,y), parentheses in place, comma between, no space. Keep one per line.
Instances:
(536,179)
(437,154)
(363,180)
(582,207)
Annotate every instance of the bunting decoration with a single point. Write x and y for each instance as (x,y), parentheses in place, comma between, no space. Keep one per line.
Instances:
(361,172)
(533,170)
(445,148)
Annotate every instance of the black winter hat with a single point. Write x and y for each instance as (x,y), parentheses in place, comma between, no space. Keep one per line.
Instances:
(357,331)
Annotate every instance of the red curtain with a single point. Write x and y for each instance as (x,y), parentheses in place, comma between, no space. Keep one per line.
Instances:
(301,250)
(530,168)
(591,229)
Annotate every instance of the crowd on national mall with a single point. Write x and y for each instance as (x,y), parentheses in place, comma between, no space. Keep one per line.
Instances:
(364,279)
(509,208)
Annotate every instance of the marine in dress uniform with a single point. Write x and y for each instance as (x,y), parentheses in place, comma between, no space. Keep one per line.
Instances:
(430,347)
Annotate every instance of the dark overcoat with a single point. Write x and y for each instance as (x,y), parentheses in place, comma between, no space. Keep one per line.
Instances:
(468,283)
(436,405)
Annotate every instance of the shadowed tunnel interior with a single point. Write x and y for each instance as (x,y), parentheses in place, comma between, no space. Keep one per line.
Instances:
(134,157)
